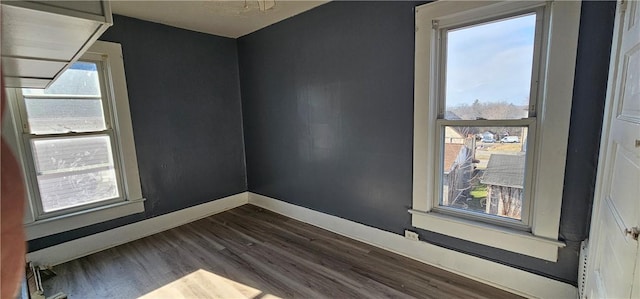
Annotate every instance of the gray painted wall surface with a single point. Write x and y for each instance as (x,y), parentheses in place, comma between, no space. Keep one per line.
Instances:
(185,104)
(328,117)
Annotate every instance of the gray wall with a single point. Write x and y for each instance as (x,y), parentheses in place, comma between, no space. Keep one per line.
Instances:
(185,105)
(328,117)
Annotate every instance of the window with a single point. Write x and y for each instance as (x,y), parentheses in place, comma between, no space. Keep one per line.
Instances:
(76,145)
(486,99)
(492,105)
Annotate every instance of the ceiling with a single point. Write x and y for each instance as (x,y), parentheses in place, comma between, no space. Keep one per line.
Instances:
(227,18)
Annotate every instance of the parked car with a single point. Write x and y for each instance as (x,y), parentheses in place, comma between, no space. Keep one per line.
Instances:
(510,139)
(488,139)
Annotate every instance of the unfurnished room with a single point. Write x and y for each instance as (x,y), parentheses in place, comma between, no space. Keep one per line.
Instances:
(320,149)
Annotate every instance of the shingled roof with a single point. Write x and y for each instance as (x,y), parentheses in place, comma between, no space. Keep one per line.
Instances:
(451,152)
(505,170)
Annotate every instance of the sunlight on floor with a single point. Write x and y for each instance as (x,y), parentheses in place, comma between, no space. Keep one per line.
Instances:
(193,286)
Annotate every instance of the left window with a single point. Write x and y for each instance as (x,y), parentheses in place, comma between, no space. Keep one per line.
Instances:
(75,142)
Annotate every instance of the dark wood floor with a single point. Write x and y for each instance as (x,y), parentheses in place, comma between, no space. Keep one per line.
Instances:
(249,252)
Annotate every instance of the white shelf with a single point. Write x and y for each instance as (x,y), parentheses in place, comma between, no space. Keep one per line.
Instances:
(41,39)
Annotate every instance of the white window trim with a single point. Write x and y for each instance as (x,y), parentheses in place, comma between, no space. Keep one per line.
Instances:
(553,115)
(133,203)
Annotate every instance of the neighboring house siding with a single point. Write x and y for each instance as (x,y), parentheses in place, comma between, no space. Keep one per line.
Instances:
(453,136)
(504,201)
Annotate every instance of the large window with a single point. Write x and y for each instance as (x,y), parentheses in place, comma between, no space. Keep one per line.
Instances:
(486,115)
(76,145)
(492,105)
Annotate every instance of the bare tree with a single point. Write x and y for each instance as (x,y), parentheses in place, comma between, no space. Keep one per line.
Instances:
(489,110)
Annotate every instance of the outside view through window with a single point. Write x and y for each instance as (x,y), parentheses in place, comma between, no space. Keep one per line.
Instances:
(71,170)
(488,77)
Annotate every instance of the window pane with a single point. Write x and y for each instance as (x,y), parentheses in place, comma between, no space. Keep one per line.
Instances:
(484,169)
(71,104)
(51,116)
(74,171)
(488,71)
(81,78)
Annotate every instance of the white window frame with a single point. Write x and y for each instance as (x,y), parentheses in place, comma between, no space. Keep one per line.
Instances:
(529,123)
(119,129)
(537,235)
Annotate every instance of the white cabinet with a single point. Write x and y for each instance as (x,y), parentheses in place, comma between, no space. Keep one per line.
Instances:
(40,39)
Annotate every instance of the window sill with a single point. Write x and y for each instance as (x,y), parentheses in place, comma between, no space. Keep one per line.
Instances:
(62,223)
(487,234)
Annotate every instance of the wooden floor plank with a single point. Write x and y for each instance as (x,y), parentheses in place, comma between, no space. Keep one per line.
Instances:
(249,252)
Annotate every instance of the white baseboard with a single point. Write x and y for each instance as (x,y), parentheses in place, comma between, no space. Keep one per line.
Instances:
(504,277)
(77,248)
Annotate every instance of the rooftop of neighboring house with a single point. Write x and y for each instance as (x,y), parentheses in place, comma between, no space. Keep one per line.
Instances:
(505,170)
(451,152)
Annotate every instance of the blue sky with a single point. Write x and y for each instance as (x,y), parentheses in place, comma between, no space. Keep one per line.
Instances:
(490,62)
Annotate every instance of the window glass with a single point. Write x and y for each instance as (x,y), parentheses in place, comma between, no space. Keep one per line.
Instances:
(59,115)
(74,171)
(489,68)
(81,78)
(484,169)
(73,103)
